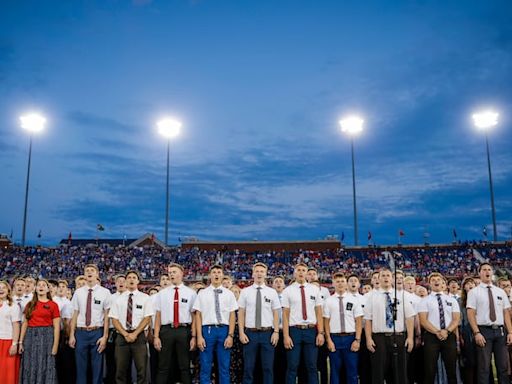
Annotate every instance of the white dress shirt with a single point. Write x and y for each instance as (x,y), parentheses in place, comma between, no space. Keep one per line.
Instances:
(21,301)
(101,301)
(351,309)
(292,299)
(205,303)
(478,299)
(269,302)
(430,305)
(375,310)
(8,315)
(65,308)
(141,308)
(164,303)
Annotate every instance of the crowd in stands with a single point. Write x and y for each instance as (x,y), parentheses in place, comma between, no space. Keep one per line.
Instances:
(67,262)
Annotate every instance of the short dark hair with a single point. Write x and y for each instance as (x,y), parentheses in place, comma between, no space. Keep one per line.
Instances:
(133,272)
(353,275)
(484,263)
(216,266)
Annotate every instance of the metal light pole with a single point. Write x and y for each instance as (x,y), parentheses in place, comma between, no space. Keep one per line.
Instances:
(33,123)
(168,128)
(352,126)
(484,121)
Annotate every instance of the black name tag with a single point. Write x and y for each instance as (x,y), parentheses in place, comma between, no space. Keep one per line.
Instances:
(448,304)
(349,306)
(267,300)
(98,302)
(138,306)
(184,300)
(312,297)
(499,297)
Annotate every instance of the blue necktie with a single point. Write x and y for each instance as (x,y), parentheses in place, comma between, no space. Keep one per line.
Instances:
(389,311)
(442,322)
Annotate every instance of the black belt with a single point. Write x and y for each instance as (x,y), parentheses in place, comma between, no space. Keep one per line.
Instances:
(494,326)
(262,329)
(343,334)
(304,326)
(180,325)
(390,333)
(215,325)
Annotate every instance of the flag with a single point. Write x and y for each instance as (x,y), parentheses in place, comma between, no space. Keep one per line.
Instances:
(12,234)
(369,235)
(454,233)
(484,231)
(70,238)
(401,233)
(39,235)
(342,236)
(100,227)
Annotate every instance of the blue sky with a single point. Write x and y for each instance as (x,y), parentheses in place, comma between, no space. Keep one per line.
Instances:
(259,87)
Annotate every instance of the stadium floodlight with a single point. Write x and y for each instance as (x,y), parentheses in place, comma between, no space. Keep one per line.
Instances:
(353,126)
(484,121)
(169,128)
(33,123)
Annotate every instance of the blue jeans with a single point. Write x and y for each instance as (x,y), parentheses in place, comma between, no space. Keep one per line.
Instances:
(85,345)
(303,340)
(343,356)
(214,337)
(259,342)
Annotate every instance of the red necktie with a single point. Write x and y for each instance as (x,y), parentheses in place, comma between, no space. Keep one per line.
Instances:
(304,310)
(176,321)
(88,309)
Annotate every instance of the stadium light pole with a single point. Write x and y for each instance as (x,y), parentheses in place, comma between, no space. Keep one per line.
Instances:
(33,123)
(484,121)
(353,126)
(168,128)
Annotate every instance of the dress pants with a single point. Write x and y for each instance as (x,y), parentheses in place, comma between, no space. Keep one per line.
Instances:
(431,350)
(85,352)
(280,361)
(495,342)
(259,344)
(343,358)
(175,348)
(126,353)
(383,359)
(304,340)
(214,336)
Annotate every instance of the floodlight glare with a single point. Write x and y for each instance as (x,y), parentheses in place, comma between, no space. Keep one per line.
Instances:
(485,119)
(169,127)
(351,125)
(32,122)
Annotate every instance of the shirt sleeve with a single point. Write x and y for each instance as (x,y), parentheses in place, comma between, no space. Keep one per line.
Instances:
(368,308)
(319,302)
(471,302)
(242,301)
(455,306)
(409,309)
(276,303)
(358,310)
(193,299)
(114,311)
(233,303)
(55,310)
(285,301)
(74,302)
(506,301)
(422,305)
(197,303)
(108,300)
(149,309)
(326,310)
(157,304)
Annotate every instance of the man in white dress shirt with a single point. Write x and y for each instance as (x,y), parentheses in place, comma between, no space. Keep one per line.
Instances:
(131,314)
(343,323)
(303,328)
(89,325)
(389,329)
(489,317)
(174,334)
(215,308)
(258,324)
(439,316)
